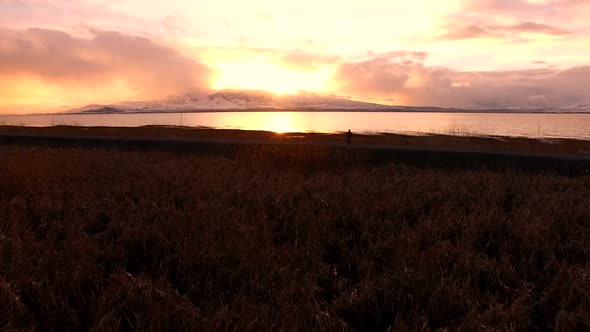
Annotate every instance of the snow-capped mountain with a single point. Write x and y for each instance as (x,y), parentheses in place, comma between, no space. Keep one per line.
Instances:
(236,100)
(246,100)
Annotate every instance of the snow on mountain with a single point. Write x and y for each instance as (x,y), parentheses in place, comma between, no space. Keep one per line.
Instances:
(243,100)
(98,108)
(237,100)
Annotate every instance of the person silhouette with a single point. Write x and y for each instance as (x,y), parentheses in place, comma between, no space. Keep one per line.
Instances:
(348,137)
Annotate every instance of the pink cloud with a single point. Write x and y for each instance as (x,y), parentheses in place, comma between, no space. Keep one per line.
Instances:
(175,24)
(532,27)
(63,15)
(377,76)
(59,58)
(470,31)
(439,86)
(501,31)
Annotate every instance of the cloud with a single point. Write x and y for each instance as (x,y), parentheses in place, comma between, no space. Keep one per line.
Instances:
(64,14)
(382,74)
(521,6)
(416,84)
(513,7)
(144,68)
(455,32)
(264,16)
(174,24)
(466,32)
(302,60)
(406,55)
(372,77)
(532,27)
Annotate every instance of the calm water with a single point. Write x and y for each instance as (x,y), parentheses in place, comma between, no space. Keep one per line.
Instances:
(528,125)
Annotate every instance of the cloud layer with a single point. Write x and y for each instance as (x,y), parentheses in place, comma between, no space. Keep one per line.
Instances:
(145,69)
(473,53)
(502,31)
(410,82)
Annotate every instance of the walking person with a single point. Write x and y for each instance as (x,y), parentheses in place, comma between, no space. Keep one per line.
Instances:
(348,138)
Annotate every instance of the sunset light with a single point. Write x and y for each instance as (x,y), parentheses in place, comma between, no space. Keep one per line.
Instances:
(281,165)
(283,123)
(459,53)
(250,75)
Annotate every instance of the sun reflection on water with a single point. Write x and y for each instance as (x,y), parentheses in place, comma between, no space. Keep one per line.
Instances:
(283,122)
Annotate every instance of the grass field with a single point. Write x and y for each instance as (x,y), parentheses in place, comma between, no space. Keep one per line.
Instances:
(286,238)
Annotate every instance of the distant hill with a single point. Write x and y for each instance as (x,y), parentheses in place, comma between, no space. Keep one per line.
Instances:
(245,100)
(235,100)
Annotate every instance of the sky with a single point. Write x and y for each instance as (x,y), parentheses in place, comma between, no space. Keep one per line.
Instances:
(59,54)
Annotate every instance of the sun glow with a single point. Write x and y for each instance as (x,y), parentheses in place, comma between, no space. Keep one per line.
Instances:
(283,123)
(254,75)
(278,122)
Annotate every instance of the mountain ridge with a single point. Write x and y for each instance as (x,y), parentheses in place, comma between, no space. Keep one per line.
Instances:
(252,100)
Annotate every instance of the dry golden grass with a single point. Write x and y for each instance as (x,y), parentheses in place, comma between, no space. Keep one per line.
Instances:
(285,238)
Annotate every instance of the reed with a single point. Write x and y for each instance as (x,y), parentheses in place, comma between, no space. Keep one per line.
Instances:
(285,238)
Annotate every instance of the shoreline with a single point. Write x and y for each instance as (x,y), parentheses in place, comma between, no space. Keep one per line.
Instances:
(563,147)
(314,110)
(565,157)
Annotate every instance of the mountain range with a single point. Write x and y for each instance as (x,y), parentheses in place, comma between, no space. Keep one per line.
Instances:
(246,100)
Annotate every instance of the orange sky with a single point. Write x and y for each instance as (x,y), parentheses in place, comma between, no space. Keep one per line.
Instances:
(56,54)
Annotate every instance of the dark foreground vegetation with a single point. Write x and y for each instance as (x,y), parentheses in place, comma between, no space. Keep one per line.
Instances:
(286,238)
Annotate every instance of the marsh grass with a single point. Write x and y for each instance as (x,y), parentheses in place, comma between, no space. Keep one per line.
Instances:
(285,238)
(455,129)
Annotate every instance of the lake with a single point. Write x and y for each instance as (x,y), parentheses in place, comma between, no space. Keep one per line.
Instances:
(477,124)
